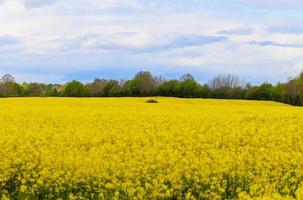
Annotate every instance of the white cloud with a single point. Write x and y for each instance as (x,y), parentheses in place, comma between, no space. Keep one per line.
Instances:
(64,36)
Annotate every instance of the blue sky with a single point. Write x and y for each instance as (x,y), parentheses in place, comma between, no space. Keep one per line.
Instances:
(61,40)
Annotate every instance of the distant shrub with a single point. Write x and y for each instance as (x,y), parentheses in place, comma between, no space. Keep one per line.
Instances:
(151,101)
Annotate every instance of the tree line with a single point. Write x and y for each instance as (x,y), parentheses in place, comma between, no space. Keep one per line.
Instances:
(144,84)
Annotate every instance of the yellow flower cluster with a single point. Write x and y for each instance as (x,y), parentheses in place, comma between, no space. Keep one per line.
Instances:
(65,148)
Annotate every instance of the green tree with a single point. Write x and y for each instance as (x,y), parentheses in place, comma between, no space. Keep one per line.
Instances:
(34,90)
(74,89)
(143,84)
(170,88)
(264,92)
(251,93)
(112,89)
(189,87)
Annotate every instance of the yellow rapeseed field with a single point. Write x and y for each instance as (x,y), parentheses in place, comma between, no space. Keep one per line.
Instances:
(65,148)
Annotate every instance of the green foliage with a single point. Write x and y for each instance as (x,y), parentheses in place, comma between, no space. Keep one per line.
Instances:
(143,84)
(34,90)
(265,91)
(189,88)
(74,89)
(112,89)
(170,88)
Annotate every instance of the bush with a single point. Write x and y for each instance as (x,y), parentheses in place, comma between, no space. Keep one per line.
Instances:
(151,101)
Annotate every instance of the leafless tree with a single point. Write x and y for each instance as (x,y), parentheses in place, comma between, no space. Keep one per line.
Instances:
(187,77)
(97,86)
(7,78)
(224,81)
(6,85)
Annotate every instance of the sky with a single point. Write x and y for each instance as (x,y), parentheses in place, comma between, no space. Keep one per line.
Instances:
(55,41)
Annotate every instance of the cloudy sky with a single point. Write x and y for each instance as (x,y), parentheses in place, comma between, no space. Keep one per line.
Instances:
(61,40)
